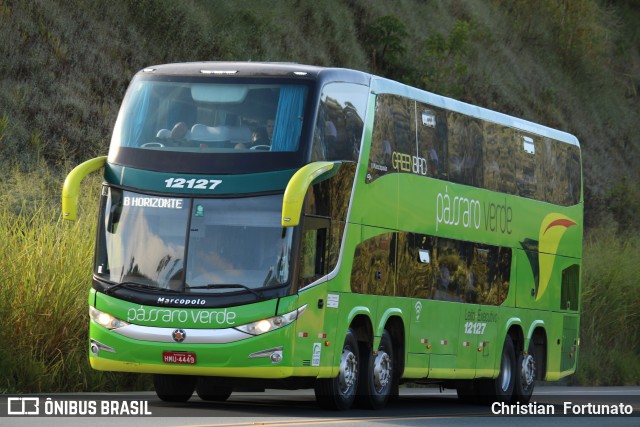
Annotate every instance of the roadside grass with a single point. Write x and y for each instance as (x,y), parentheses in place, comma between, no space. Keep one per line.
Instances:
(610,321)
(45,276)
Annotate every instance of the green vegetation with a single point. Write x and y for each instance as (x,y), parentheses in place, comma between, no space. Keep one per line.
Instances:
(571,64)
(45,271)
(610,327)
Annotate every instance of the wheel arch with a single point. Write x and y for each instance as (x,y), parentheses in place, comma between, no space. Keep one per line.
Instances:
(513,330)
(517,336)
(538,337)
(362,327)
(396,328)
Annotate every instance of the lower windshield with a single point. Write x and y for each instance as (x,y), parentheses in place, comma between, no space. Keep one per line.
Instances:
(237,242)
(199,245)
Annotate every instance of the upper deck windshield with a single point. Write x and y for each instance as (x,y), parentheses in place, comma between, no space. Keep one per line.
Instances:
(205,125)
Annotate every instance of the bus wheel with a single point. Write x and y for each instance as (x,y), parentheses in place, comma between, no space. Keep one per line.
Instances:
(339,393)
(501,389)
(174,388)
(210,389)
(525,376)
(376,377)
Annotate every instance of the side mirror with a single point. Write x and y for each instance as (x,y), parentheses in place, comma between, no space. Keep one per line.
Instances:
(297,189)
(71,188)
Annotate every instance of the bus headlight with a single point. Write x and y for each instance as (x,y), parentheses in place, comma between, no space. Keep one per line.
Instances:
(105,319)
(272,323)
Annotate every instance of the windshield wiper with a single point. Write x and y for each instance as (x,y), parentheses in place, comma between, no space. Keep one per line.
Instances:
(136,285)
(228,286)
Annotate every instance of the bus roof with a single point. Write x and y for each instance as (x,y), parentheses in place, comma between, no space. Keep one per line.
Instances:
(378,85)
(260,69)
(381,85)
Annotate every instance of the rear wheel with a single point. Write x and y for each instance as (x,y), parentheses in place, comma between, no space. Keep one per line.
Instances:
(377,375)
(174,388)
(525,378)
(210,389)
(339,393)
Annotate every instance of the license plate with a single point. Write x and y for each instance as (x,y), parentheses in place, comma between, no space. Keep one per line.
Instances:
(179,357)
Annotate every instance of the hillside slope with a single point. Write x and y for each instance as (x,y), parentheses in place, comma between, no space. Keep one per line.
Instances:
(64,68)
(571,64)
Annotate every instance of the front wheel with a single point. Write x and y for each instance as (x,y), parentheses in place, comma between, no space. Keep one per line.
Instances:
(211,389)
(501,389)
(174,388)
(377,376)
(339,393)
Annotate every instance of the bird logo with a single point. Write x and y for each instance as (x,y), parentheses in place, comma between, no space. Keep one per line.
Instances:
(552,229)
(542,252)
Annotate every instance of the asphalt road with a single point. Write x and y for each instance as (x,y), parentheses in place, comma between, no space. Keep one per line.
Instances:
(274,408)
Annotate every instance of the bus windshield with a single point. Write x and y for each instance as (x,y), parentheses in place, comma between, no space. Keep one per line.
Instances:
(192,245)
(195,115)
(187,120)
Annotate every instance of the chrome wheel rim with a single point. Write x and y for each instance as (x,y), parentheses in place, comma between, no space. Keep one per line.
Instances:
(506,373)
(348,371)
(382,371)
(528,370)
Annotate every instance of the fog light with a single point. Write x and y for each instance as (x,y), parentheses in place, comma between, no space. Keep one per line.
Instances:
(274,354)
(96,347)
(276,357)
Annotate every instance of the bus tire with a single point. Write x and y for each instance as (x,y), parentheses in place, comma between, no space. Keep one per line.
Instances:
(174,388)
(377,375)
(501,388)
(339,393)
(525,379)
(211,389)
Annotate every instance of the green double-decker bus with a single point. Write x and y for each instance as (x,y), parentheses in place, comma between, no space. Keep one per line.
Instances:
(290,226)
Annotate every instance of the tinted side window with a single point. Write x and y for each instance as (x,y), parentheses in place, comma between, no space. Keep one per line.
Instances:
(465,149)
(381,140)
(570,288)
(572,169)
(471,272)
(498,157)
(453,275)
(528,151)
(561,172)
(373,270)
(432,268)
(313,250)
(474,164)
(330,199)
(416,270)
(340,122)
(393,143)
(547,170)
(432,139)
(555,182)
